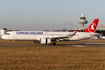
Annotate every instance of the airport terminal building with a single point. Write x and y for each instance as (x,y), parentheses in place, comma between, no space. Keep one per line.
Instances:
(100,30)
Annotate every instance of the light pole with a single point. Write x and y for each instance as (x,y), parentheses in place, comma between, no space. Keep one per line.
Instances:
(68,25)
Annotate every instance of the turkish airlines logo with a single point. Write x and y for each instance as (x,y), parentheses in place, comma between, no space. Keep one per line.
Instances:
(92,28)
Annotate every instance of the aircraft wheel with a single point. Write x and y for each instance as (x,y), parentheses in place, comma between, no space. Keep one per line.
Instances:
(34,41)
(54,43)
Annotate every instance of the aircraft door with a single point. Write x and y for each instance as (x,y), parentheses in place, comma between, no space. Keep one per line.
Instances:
(14,35)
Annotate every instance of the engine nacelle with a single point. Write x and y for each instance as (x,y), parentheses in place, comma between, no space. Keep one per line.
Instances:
(45,41)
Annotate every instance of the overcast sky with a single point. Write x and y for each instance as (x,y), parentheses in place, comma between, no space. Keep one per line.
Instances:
(49,14)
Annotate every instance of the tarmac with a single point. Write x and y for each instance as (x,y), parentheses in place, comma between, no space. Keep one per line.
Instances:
(85,44)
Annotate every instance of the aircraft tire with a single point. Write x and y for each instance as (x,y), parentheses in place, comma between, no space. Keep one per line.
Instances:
(54,43)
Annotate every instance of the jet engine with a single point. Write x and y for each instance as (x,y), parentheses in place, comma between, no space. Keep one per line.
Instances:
(45,41)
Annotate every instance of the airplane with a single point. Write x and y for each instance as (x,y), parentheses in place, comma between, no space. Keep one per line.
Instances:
(102,37)
(42,37)
(48,37)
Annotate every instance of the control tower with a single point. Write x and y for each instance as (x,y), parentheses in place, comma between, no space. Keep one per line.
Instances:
(82,21)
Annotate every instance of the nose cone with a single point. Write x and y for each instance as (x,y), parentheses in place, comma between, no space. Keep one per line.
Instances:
(2,37)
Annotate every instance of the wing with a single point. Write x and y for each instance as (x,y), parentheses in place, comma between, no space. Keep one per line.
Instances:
(62,37)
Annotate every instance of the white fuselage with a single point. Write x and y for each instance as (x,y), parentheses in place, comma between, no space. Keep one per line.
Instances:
(82,35)
(33,35)
(37,35)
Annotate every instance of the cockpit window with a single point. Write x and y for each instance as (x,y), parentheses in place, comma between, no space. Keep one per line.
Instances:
(7,34)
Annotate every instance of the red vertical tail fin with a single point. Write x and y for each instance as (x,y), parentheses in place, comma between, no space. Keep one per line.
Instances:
(92,27)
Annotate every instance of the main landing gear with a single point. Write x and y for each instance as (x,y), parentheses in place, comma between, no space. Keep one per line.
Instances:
(54,43)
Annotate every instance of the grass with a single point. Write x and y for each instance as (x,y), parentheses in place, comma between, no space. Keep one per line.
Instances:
(52,58)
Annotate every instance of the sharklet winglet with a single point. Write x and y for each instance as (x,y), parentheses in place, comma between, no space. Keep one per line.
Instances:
(75,32)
